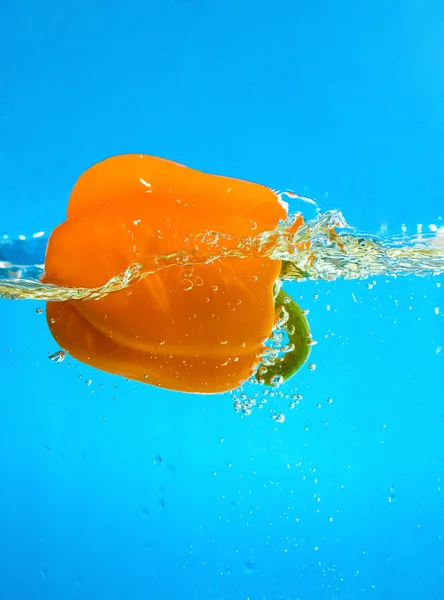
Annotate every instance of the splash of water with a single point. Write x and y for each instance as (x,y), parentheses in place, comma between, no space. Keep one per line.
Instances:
(325,248)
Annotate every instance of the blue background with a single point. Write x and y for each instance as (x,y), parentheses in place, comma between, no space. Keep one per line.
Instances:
(146,494)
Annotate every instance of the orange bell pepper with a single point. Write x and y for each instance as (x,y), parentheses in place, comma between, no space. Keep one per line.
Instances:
(192,329)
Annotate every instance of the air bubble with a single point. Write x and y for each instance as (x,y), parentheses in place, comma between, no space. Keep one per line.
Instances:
(57,356)
(39,311)
(210,238)
(312,367)
(278,417)
(187,285)
(277,380)
(392,497)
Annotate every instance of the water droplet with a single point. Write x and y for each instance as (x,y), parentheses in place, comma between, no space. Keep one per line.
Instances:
(39,311)
(312,367)
(57,356)
(252,225)
(214,288)
(329,400)
(88,382)
(198,281)
(158,460)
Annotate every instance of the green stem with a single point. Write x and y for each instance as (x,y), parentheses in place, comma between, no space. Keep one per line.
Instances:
(298,331)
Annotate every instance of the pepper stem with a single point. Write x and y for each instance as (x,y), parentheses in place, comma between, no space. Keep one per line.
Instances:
(296,327)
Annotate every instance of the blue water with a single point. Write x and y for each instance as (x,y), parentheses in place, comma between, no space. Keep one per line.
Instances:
(112,489)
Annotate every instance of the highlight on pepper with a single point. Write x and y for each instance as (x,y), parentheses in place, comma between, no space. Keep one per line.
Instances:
(200,327)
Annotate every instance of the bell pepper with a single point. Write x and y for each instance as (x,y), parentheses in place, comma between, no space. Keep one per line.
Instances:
(186,327)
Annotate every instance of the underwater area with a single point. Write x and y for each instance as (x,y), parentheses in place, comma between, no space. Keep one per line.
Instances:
(318,477)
